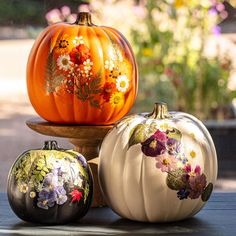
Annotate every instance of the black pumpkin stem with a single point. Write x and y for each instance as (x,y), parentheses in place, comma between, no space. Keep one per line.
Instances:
(50,145)
(160,111)
(84,18)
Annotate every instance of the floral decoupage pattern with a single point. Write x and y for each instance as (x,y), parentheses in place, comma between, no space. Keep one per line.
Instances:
(70,68)
(163,144)
(52,179)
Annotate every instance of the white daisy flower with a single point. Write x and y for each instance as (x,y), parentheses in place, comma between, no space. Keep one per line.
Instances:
(78,40)
(122,83)
(87,65)
(78,181)
(64,62)
(109,65)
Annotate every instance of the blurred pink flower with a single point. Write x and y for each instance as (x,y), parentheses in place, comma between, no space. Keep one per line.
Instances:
(83,7)
(220,7)
(53,16)
(72,18)
(139,11)
(224,14)
(65,11)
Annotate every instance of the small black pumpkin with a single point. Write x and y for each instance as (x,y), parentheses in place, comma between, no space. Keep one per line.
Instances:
(50,185)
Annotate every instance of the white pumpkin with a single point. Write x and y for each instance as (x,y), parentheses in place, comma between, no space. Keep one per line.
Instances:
(157,167)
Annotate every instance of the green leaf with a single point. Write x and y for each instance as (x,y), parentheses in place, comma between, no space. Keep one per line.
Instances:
(96,91)
(86,192)
(53,79)
(174,133)
(174,179)
(207,192)
(45,169)
(36,172)
(86,89)
(140,133)
(39,177)
(94,103)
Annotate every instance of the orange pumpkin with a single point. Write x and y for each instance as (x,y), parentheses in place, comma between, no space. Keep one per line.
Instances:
(81,73)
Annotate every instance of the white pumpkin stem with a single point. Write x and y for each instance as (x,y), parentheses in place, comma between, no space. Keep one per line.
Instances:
(160,111)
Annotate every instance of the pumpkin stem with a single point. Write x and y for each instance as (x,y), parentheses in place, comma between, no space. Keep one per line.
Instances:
(160,111)
(84,18)
(50,145)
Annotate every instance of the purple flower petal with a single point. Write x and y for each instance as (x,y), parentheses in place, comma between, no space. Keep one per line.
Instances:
(152,147)
(61,199)
(216,30)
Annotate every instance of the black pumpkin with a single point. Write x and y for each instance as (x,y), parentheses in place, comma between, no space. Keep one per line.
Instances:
(50,185)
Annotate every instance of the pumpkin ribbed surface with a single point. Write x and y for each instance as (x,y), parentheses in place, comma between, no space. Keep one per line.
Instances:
(157,170)
(82,74)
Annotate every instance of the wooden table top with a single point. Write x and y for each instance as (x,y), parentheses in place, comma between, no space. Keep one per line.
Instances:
(218,217)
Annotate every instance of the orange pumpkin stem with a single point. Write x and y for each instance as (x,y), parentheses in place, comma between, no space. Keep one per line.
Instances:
(160,111)
(84,18)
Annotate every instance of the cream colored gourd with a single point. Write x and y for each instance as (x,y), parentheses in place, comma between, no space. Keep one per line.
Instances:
(157,167)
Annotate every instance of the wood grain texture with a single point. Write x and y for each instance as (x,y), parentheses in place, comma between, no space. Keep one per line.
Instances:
(218,217)
(88,132)
(86,140)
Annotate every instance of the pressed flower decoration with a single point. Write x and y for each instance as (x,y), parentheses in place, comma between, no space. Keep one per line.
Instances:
(163,144)
(70,68)
(52,179)
(157,166)
(82,72)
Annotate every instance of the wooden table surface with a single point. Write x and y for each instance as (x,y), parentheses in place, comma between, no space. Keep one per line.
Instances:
(218,217)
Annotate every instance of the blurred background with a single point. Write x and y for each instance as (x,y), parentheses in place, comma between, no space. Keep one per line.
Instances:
(185,50)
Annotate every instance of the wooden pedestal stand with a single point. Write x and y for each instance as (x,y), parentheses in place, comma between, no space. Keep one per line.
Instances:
(86,140)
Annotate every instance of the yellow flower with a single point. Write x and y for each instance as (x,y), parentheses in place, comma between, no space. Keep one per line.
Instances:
(32,194)
(193,154)
(148,52)
(117,99)
(186,3)
(23,188)
(180,3)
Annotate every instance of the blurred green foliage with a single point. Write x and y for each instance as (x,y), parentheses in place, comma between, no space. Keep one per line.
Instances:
(30,12)
(173,64)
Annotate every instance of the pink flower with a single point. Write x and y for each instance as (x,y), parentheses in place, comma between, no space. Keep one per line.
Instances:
(160,136)
(65,11)
(188,168)
(197,170)
(166,162)
(191,172)
(197,184)
(53,16)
